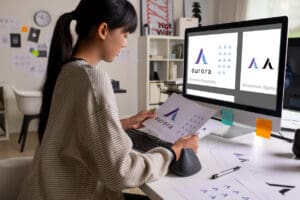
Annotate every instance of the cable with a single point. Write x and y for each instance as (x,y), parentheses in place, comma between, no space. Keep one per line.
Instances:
(282,138)
(287,129)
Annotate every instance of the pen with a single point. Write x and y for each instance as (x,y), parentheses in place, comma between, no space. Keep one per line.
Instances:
(224,172)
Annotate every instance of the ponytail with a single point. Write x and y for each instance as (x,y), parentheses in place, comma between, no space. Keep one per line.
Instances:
(61,50)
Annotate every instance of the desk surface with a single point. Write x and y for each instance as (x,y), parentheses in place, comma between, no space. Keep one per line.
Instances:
(270,160)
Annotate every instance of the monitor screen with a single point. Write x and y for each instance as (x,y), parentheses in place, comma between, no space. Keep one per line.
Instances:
(237,65)
(292,77)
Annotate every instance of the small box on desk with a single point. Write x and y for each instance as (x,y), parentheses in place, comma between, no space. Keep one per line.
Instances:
(185,22)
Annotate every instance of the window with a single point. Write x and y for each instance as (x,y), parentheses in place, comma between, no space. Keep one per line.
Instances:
(272,8)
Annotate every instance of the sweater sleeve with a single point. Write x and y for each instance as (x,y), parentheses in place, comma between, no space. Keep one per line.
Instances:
(106,149)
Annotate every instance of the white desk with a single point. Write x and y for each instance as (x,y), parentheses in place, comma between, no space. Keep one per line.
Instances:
(270,160)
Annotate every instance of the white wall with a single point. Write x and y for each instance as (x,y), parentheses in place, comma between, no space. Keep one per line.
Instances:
(271,8)
(21,78)
(123,69)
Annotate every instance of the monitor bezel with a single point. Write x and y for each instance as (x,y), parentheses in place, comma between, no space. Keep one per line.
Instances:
(292,42)
(282,61)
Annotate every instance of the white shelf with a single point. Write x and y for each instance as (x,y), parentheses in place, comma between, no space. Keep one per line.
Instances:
(164,55)
(176,60)
(161,59)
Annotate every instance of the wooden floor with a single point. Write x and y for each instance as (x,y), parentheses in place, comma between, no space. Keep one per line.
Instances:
(11,148)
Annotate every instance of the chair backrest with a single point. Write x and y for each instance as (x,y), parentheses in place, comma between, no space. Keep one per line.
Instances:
(12,174)
(29,102)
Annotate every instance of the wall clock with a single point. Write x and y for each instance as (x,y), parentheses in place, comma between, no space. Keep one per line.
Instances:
(42,18)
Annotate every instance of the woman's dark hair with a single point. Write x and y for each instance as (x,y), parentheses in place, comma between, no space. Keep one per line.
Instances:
(88,14)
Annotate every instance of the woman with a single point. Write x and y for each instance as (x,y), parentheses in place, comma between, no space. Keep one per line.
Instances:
(84,152)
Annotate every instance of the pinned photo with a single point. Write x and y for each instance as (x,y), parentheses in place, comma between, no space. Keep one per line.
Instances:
(15,40)
(38,53)
(34,35)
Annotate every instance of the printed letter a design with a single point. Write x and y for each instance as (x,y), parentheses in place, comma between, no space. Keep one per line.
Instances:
(173,114)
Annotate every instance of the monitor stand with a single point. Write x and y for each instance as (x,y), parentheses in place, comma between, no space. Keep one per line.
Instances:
(233,131)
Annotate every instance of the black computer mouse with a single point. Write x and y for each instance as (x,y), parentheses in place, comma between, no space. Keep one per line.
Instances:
(187,165)
(296,144)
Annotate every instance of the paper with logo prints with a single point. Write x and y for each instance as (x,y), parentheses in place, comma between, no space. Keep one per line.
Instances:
(240,185)
(178,117)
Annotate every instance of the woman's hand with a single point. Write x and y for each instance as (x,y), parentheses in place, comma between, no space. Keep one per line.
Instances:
(136,121)
(190,141)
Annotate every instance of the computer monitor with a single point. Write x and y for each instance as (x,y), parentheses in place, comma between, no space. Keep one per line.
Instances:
(292,77)
(238,66)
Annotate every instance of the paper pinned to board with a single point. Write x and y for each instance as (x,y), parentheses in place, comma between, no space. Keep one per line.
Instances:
(178,117)
(24,29)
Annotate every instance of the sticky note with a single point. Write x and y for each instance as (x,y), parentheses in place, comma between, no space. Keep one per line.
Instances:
(263,127)
(35,52)
(227,116)
(24,29)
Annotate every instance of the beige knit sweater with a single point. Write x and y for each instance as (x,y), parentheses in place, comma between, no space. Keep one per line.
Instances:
(85,153)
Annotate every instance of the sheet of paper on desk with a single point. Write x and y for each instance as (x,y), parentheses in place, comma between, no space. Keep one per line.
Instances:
(178,117)
(231,189)
(228,187)
(210,126)
(265,167)
(232,156)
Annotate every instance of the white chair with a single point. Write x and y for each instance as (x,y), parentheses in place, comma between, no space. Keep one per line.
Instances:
(29,103)
(12,174)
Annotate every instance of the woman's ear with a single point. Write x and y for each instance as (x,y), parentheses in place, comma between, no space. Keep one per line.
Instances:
(103,30)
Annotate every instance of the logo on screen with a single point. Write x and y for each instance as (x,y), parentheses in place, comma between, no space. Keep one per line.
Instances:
(172,114)
(253,64)
(267,63)
(201,57)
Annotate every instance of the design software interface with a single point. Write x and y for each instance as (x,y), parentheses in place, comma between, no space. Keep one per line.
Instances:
(237,65)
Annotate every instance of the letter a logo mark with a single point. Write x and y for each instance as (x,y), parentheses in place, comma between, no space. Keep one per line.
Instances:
(201,56)
(173,114)
(253,63)
(268,63)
